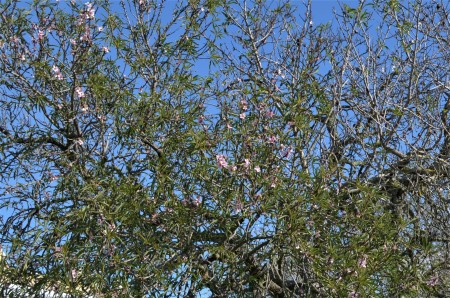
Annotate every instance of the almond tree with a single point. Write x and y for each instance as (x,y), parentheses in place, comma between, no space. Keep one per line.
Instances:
(224,149)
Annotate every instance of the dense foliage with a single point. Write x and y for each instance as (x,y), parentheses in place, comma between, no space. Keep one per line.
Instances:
(225,149)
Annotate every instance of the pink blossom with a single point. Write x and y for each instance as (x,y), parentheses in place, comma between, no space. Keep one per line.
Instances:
(229,126)
(85,37)
(80,20)
(246,163)
(74,273)
(280,73)
(238,206)
(433,281)
(244,104)
(40,35)
(100,28)
(111,226)
(105,49)
(221,160)
(233,168)
(242,116)
(197,201)
(272,139)
(362,262)
(90,11)
(59,76)
(73,41)
(79,92)
(15,39)
(258,169)
(269,114)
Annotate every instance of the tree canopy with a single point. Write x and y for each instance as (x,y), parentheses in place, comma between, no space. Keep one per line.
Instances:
(225,148)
